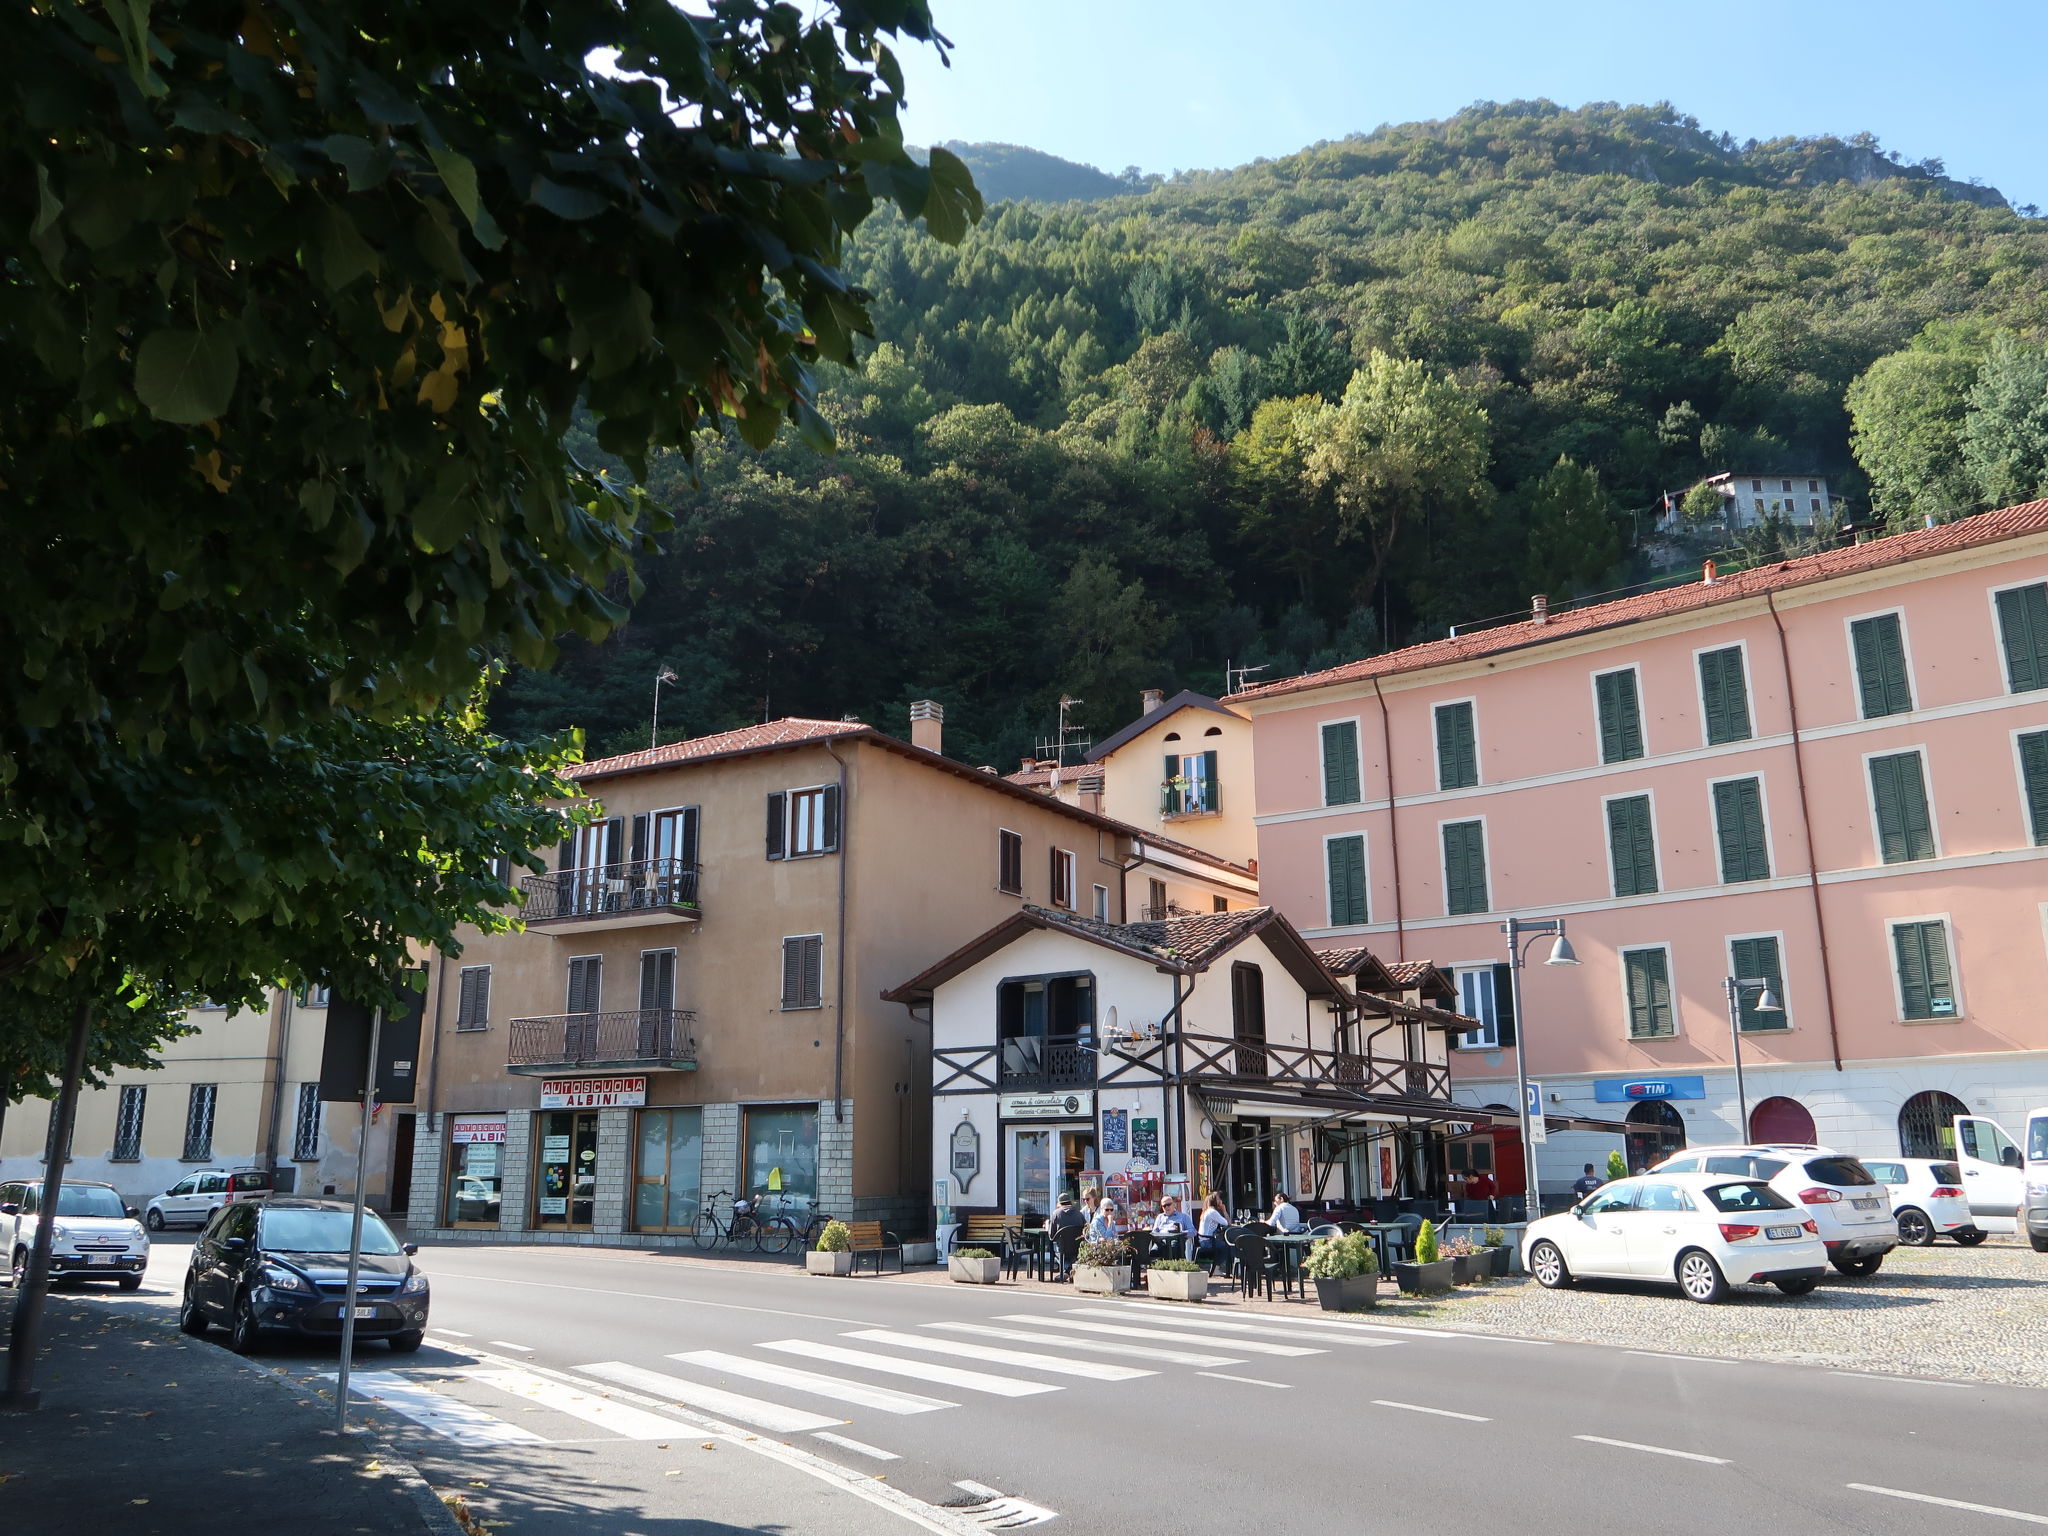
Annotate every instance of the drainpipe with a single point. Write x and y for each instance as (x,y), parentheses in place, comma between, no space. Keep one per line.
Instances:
(284,1041)
(1123,879)
(1820,924)
(839,959)
(1393,822)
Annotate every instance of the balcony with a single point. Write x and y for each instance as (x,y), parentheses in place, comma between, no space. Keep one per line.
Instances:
(1187,797)
(1301,1068)
(630,1039)
(637,894)
(1045,1062)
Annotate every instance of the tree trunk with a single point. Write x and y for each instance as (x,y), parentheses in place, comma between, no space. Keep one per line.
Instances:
(21,1394)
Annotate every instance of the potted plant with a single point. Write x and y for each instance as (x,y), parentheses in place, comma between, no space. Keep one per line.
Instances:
(1103,1268)
(1468,1260)
(1430,1271)
(974,1266)
(1498,1253)
(1346,1272)
(834,1253)
(1176,1280)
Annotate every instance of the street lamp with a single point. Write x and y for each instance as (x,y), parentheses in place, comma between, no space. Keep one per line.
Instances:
(1767,1002)
(1522,932)
(665,675)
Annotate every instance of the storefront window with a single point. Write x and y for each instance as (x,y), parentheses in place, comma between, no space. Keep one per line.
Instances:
(668,1177)
(565,1186)
(476,1169)
(782,1158)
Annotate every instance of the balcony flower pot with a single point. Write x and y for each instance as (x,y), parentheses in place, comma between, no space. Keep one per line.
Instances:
(1176,1284)
(1101,1279)
(819,1262)
(1351,1293)
(1424,1279)
(974,1268)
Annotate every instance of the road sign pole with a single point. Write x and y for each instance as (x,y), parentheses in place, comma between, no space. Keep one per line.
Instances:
(355,1235)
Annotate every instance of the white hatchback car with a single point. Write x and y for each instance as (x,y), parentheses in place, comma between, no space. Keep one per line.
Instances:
(1852,1211)
(1927,1200)
(94,1237)
(1703,1231)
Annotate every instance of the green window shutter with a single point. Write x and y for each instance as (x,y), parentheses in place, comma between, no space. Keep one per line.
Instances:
(1926,984)
(1739,829)
(1881,682)
(1724,695)
(1649,993)
(2023,629)
(1621,718)
(1899,791)
(2034,782)
(1457,751)
(1340,763)
(1464,867)
(1504,1003)
(1759,958)
(1346,856)
(1210,789)
(1631,846)
(1169,792)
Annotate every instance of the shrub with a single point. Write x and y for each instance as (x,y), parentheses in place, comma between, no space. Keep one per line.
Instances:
(1426,1249)
(1617,1166)
(1104,1255)
(1178,1266)
(1461,1248)
(835,1238)
(1495,1238)
(972,1253)
(1340,1258)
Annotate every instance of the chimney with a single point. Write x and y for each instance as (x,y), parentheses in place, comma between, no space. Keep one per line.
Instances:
(1027,764)
(1539,609)
(1150,700)
(1707,573)
(927,724)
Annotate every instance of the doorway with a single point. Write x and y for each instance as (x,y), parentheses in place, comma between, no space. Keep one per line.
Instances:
(668,1171)
(1047,1161)
(1927,1124)
(399,1199)
(1243,1155)
(1655,1131)
(565,1184)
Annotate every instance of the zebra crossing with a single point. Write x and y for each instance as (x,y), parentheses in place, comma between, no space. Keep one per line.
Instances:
(872,1375)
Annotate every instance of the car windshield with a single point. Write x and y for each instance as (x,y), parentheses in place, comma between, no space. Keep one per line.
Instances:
(1746,1197)
(323,1232)
(2037,1138)
(90,1200)
(1838,1170)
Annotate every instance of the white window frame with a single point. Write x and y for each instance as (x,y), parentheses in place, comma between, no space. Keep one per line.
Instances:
(1365,850)
(1849,623)
(1699,694)
(654,821)
(1356,722)
(1489,1027)
(1997,637)
(1656,843)
(1101,908)
(1593,692)
(1955,967)
(1068,873)
(1927,787)
(1436,756)
(1443,863)
(1763,802)
(1621,954)
(1784,984)
(790,823)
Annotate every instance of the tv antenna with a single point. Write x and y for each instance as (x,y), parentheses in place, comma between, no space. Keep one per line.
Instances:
(1233,677)
(1069,738)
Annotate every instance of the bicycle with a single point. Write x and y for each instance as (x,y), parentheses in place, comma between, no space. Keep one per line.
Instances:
(780,1230)
(771,1234)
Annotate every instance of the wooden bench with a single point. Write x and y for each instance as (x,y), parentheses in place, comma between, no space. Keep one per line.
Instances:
(867,1237)
(991,1232)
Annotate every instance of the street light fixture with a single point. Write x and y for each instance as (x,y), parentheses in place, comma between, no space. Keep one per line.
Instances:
(1522,932)
(1767,1002)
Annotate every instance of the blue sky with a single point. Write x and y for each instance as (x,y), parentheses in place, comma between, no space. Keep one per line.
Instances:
(1193,83)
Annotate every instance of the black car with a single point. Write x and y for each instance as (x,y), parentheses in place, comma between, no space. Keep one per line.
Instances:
(280,1265)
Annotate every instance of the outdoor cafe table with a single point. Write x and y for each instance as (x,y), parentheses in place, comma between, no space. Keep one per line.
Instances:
(1036,1243)
(1291,1249)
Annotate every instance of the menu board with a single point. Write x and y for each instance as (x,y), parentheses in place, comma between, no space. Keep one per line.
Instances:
(1145,1140)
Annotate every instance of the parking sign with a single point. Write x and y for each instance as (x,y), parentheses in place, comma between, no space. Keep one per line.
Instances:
(1539,1128)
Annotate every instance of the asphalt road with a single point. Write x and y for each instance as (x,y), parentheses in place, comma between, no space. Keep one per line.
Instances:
(551,1373)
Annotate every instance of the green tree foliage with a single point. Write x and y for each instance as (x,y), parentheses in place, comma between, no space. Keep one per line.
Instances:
(2005,435)
(1906,413)
(1574,540)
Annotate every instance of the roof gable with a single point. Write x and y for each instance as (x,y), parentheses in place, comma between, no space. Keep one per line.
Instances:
(1185,699)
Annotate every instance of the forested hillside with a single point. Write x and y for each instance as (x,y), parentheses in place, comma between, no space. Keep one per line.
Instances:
(1314,406)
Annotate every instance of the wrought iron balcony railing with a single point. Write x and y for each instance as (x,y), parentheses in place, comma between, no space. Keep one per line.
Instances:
(627,1037)
(638,890)
(1299,1066)
(1047,1061)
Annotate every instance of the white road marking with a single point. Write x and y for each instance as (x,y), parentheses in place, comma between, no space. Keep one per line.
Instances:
(1093,1370)
(1067,1341)
(1666,1354)
(920,1370)
(524,1349)
(584,1255)
(1231,1325)
(887,1399)
(631,1423)
(980,1490)
(1654,1450)
(1250,1381)
(1442,1413)
(453,1333)
(1331,1322)
(460,1422)
(1928,1498)
(1242,1346)
(852,1444)
(730,1405)
(1916,1381)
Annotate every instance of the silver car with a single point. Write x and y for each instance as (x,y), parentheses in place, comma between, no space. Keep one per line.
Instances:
(93,1236)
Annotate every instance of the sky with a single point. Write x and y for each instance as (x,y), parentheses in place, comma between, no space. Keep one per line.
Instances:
(1170,85)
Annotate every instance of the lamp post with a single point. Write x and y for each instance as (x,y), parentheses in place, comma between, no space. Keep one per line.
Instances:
(1522,932)
(1766,1002)
(665,675)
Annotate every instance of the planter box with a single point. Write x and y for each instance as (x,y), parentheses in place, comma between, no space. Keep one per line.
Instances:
(1420,1279)
(1177,1284)
(920,1253)
(975,1271)
(819,1263)
(1466,1268)
(1500,1259)
(1354,1293)
(1096,1281)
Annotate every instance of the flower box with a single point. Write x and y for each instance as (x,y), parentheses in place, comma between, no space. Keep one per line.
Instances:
(1177,1284)
(974,1271)
(1421,1279)
(1466,1268)
(819,1262)
(1353,1293)
(1096,1280)
(1502,1258)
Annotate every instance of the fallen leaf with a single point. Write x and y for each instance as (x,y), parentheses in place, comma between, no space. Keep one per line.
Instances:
(708,1445)
(138,1501)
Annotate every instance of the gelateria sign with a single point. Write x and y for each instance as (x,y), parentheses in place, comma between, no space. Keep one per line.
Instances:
(1047,1106)
(593,1093)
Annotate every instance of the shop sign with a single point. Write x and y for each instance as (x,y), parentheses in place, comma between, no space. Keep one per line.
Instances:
(593,1092)
(1046,1106)
(1630,1090)
(477,1130)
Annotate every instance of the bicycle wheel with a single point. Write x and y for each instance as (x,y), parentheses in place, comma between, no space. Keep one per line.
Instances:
(705,1233)
(775,1236)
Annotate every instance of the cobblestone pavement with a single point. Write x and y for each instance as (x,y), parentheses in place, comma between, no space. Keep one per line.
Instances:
(1964,1314)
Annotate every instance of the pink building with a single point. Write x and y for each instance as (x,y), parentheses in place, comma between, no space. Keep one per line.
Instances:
(1831,773)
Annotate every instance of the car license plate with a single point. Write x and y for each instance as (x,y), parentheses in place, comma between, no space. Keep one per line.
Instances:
(99,1258)
(1781,1231)
(1866,1205)
(365,1314)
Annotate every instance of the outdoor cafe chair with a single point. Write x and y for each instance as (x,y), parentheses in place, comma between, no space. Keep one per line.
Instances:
(1140,1244)
(1252,1269)
(1066,1244)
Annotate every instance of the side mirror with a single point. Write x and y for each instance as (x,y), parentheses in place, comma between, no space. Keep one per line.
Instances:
(133,1214)
(412,1248)
(10,1210)
(234,1244)
(2010,1157)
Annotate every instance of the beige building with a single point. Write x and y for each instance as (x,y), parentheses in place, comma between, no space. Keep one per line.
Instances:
(694,1006)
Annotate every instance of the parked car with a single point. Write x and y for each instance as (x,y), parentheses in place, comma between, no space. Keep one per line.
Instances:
(93,1237)
(1927,1200)
(280,1266)
(1703,1232)
(1994,1173)
(1852,1211)
(192,1201)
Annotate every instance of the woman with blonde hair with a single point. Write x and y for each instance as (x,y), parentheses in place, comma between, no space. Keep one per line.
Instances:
(1215,1217)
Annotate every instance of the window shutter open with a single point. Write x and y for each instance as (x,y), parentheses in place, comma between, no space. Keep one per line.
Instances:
(687,850)
(1909,946)
(614,842)
(831,844)
(639,845)
(814,970)
(792,972)
(2034,782)
(2023,629)
(778,823)
(1504,1003)
(1340,763)
(1209,787)
(1169,792)
(565,855)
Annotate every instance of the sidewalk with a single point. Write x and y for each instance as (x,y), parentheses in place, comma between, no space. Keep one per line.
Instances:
(148,1433)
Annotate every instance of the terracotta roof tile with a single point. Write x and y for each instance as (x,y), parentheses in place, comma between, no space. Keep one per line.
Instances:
(790,731)
(1410,972)
(1921,544)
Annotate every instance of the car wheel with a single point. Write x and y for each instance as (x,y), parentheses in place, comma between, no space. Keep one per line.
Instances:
(154,1220)
(1859,1267)
(1700,1277)
(1915,1229)
(1546,1263)
(1970,1237)
(2040,1243)
(17,1269)
(130,1282)
(191,1316)
(407,1343)
(244,1337)
(1796,1287)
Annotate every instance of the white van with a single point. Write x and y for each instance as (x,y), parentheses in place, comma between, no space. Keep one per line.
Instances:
(2036,1204)
(2008,1192)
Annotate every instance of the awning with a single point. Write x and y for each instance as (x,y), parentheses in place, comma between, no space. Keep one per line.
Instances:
(1503,1114)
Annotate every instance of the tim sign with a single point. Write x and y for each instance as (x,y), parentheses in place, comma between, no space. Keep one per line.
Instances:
(593,1093)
